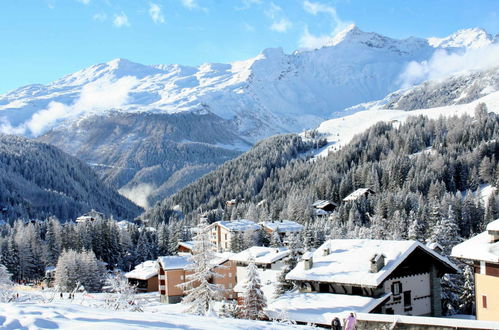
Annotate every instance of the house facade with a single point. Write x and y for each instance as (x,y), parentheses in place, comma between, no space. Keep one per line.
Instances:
(173,271)
(222,232)
(482,252)
(389,277)
(323,207)
(269,262)
(144,276)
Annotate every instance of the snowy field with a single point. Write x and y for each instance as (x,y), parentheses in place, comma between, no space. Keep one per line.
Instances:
(46,310)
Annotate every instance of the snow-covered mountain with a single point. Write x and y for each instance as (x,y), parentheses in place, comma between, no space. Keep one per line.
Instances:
(243,101)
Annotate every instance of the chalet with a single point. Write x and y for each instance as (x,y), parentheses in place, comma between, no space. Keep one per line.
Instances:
(366,276)
(482,252)
(283,227)
(323,207)
(174,269)
(221,232)
(361,192)
(185,247)
(90,216)
(144,276)
(269,262)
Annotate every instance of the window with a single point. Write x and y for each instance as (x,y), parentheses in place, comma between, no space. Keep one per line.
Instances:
(407,298)
(225,236)
(323,287)
(230,285)
(230,274)
(225,244)
(484,301)
(396,288)
(357,291)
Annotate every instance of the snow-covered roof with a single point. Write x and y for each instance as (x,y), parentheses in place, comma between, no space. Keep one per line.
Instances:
(493,226)
(320,212)
(319,204)
(238,225)
(282,226)
(182,261)
(262,255)
(187,244)
(144,271)
(321,308)
(477,248)
(173,262)
(348,261)
(357,194)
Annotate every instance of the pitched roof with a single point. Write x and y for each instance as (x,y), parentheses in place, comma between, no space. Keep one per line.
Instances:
(348,261)
(322,203)
(356,194)
(321,308)
(262,255)
(282,226)
(238,225)
(477,248)
(144,271)
(182,261)
(187,244)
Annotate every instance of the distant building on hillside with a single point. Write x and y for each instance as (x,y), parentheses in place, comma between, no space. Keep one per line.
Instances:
(173,271)
(221,232)
(323,207)
(90,216)
(369,276)
(361,192)
(185,247)
(144,276)
(482,252)
(269,262)
(283,227)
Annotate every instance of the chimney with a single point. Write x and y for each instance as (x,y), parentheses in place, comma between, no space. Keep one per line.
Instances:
(493,231)
(325,252)
(377,263)
(308,262)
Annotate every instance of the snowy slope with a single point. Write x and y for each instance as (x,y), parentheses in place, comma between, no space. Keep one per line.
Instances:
(268,94)
(340,131)
(58,315)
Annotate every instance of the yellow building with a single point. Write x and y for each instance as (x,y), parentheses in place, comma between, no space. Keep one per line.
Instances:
(482,251)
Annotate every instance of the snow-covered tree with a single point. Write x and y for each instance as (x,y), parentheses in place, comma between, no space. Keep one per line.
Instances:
(254,301)
(5,284)
(275,239)
(467,297)
(74,268)
(123,294)
(200,292)
(290,262)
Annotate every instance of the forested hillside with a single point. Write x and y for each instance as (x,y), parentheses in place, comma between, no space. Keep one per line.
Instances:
(38,180)
(417,170)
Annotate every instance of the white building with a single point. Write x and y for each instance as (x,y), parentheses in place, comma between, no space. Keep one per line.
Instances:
(366,276)
(221,232)
(269,262)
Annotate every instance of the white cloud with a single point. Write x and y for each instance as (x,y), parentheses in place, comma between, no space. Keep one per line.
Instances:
(156,14)
(246,4)
(192,4)
(103,94)
(273,10)
(101,17)
(309,40)
(443,64)
(138,194)
(85,2)
(282,25)
(248,27)
(121,20)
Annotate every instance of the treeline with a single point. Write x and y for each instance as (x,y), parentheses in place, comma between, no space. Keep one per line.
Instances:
(38,181)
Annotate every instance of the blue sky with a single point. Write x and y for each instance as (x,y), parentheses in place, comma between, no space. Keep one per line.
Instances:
(42,40)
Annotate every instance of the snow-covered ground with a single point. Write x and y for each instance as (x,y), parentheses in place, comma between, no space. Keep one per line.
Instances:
(340,131)
(46,310)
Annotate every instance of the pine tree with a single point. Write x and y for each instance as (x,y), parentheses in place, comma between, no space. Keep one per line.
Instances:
(467,297)
(275,239)
(79,268)
(200,292)
(254,301)
(5,284)
(290,262)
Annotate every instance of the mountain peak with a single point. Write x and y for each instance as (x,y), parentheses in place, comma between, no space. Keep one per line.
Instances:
(468,38)
(348,33)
